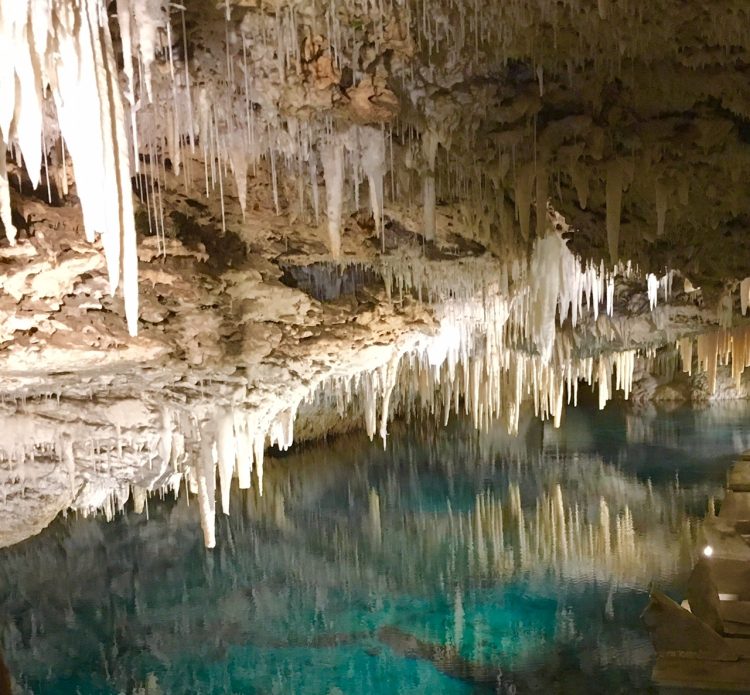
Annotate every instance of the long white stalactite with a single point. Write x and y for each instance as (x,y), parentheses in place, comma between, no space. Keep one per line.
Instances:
(66,47)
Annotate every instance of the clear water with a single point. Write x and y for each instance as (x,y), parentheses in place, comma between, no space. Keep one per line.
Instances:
(527,559)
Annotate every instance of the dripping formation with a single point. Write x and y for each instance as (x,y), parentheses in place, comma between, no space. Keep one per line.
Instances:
(493,347)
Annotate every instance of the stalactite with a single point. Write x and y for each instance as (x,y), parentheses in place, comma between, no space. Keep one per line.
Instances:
(653,290)
(744,293)
(332,159)
(708,351)
(239,164)
(685,347)
(725,308)
(147,14)
(580,178)
(27,121)
(5,209)
(373,163)
(125,224)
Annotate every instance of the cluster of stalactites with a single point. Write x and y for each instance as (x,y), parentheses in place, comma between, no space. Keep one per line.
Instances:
(720,347)
(163,113)
(654,284)
(468,366)
(490,391)
(228,107)
(473,363)
(233,442)
(65,97)
(38,446)
(550,287)
(65,48)
(496,204)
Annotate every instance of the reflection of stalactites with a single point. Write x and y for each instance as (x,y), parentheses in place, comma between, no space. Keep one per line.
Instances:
(480,546)
(458,618)
(560,526)
(375,529)
(606,542)
(626,536)
(556,537)
(517,511)
(279,512)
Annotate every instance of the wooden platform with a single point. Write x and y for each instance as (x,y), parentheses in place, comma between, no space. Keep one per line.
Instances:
(736,618)
(738,478)
(693,663)
(697,674)
(731,577)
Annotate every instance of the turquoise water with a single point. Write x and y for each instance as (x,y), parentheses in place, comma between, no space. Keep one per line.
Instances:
(452,562)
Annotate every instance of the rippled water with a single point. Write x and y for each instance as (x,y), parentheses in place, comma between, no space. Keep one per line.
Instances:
(453,562)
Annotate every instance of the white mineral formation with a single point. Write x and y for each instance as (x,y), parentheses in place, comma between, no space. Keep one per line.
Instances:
(67,48)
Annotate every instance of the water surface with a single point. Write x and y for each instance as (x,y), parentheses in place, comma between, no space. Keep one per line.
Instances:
(528,558)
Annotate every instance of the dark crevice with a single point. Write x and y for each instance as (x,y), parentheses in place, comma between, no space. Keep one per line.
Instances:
(327,282)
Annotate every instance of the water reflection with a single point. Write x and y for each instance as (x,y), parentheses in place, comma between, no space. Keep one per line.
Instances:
(424,568)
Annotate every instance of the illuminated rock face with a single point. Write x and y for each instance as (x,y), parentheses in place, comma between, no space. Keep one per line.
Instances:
(199,156)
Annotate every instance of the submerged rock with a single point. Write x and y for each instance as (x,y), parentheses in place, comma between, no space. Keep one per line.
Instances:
(446,659)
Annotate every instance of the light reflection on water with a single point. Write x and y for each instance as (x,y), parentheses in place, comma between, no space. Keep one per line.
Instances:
(530,555)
